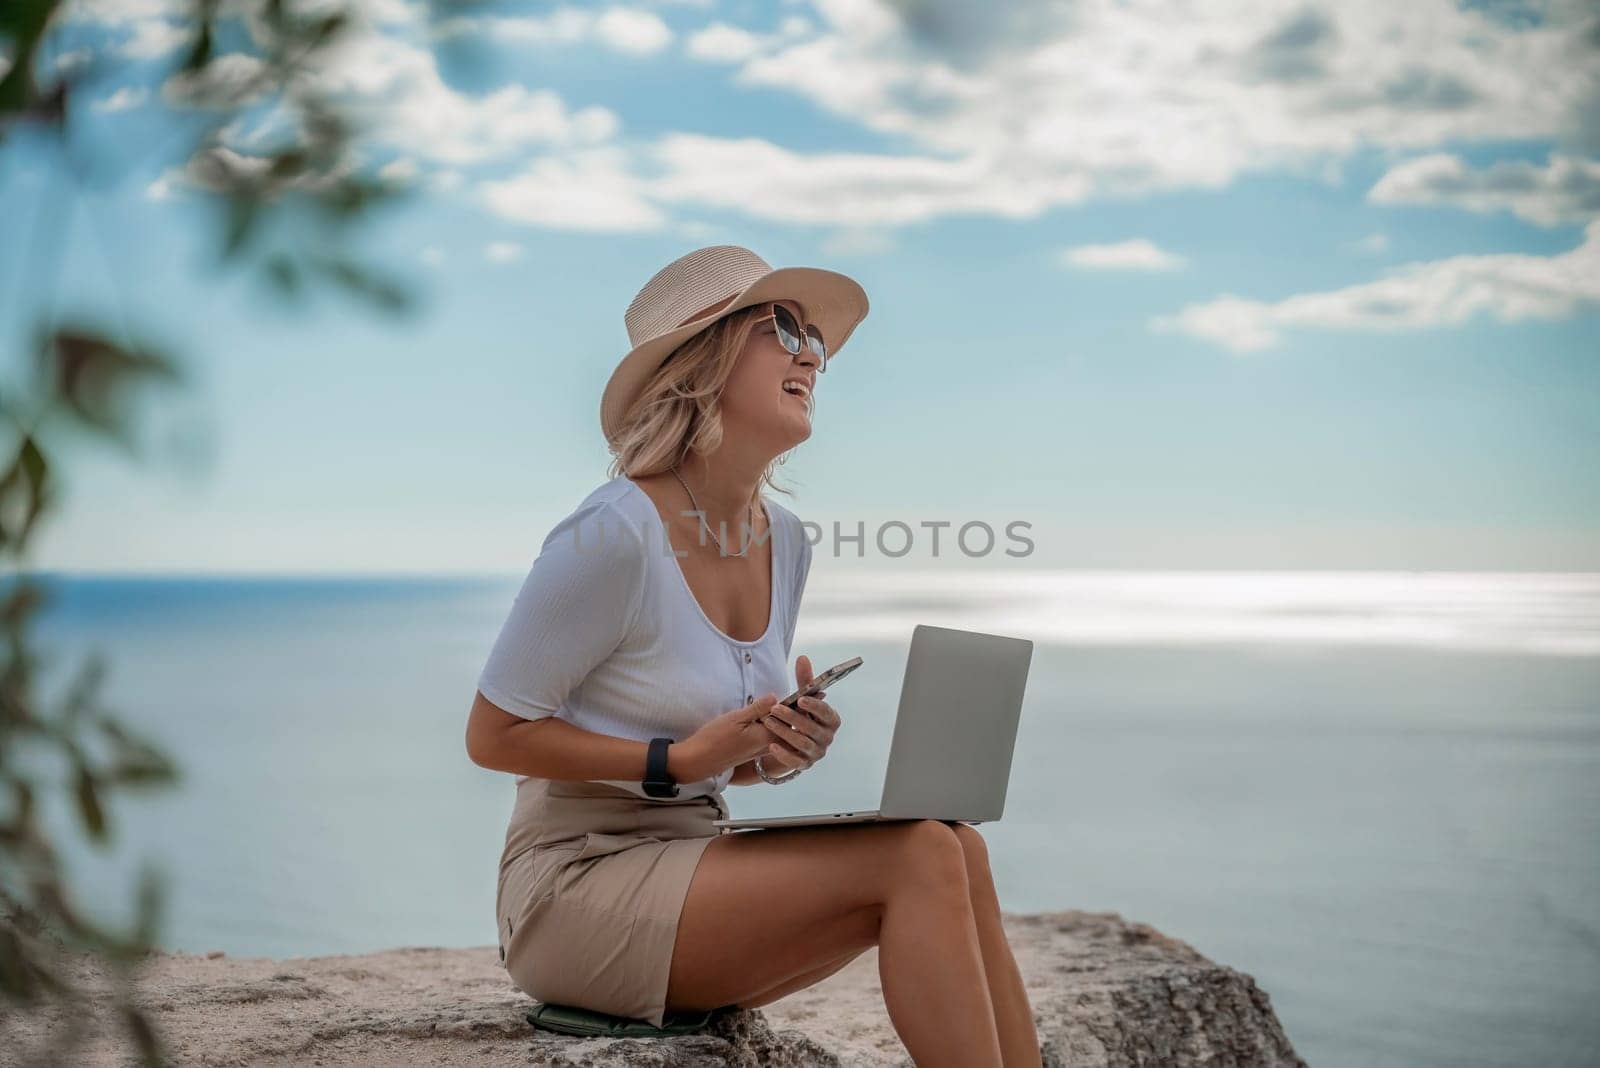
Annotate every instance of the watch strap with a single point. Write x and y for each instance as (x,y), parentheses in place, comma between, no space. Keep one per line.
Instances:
(658,782)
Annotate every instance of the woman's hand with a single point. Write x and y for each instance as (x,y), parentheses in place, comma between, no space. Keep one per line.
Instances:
(803,736)
(733,738)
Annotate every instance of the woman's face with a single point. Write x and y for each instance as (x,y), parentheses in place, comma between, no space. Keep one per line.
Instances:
(755,404)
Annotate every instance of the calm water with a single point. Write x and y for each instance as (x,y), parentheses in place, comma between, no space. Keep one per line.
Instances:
(1379,794)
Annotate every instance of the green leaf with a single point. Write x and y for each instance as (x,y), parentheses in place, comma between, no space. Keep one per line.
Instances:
(200,52)
(22,600)
(16,971)
(34,467)
(242,214)
(93,376)
(364,282)
(148,908)
(283,274)
(148,768)
(324,30)
(94,817)
(33,462)
(134,761)
(25,806)
(144,1037)
(22,24)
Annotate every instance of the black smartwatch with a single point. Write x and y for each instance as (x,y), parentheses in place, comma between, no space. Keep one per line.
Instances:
(658,782)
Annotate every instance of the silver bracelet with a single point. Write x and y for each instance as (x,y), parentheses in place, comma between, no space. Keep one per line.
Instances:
(761,771)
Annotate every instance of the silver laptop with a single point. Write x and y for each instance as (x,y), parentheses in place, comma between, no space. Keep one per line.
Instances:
(954,734)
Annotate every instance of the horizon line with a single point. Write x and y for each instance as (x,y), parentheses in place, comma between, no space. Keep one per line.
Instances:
(329,574)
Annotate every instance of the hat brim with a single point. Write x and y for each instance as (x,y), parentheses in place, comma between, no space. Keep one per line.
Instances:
(835,302)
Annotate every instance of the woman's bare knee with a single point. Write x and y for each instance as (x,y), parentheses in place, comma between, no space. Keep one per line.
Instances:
(931,856)
(980,879)
(764,907)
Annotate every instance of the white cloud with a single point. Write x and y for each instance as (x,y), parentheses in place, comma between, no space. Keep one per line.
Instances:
(123,99)
(230,78)
(1566,189)
(66,63)
(1376,243)
(433,256)
(1004,111)
(221,166)
(722,43)
(398,170)
(395,88)
(154,38)
(118,12)
(627,30)
(502,252)
(588,189)
(1447,292)
(1137,254)
(634,32)
(758,178)
(1112,98)
(203,171)
(446,180)
(390,85)
(372,12)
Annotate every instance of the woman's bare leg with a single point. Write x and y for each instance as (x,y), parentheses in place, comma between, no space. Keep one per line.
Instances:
(1019,1037)
(769,906)
(931,961)
(802,981)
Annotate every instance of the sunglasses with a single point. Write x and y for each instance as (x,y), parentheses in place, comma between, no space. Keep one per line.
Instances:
(790,335)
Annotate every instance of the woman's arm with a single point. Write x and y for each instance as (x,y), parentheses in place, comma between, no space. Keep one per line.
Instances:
(551,748)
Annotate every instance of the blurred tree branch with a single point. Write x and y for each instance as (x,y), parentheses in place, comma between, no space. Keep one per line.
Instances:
(85,382)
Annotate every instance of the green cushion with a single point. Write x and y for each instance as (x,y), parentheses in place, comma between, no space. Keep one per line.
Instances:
(571,1020)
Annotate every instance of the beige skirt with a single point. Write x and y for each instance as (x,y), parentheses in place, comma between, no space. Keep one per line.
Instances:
(592,882)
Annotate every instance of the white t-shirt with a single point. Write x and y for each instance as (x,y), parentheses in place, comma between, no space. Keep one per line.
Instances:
(606,634)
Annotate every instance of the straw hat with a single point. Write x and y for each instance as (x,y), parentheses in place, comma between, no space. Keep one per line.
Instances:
(698,288)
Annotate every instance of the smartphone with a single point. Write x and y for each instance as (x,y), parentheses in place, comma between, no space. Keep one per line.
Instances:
(821,682)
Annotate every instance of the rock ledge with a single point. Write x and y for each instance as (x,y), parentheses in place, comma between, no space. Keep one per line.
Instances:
(1105,992)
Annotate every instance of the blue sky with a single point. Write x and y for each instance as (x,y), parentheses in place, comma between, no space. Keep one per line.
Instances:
(1269,286)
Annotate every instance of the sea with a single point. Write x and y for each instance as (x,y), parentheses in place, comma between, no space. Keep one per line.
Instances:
(1377,793)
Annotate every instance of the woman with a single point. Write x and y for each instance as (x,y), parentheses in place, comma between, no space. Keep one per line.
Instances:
(668,596)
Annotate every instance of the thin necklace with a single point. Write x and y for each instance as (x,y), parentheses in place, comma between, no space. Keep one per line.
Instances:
(707,526)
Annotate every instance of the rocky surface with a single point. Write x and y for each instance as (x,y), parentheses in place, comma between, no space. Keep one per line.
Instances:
(1105,992)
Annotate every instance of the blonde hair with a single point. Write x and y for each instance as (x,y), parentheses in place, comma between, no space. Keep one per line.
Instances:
(679,410)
